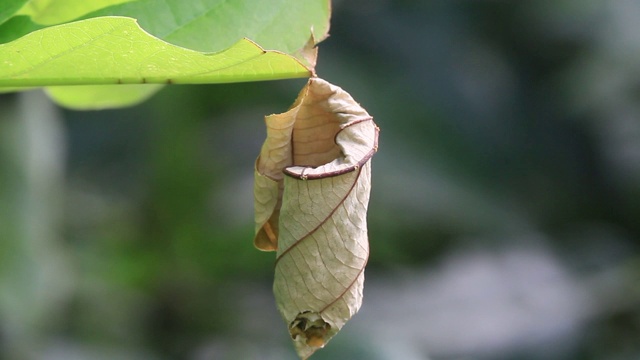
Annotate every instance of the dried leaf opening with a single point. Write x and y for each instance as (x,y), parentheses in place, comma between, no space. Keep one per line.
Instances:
(309,328)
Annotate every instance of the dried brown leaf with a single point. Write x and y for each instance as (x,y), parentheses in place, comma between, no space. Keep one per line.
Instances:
(313,179)
(308,54)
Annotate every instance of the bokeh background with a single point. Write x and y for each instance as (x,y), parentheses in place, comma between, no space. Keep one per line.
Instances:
(504,218)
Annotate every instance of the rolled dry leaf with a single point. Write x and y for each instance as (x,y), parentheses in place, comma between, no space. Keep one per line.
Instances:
(313,179)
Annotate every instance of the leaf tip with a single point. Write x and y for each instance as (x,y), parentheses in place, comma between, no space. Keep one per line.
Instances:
(308,54)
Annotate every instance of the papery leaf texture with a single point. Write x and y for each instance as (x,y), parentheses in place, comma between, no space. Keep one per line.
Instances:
(312,185)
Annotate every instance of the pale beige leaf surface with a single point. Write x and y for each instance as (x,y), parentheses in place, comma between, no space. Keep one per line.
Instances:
(313,179)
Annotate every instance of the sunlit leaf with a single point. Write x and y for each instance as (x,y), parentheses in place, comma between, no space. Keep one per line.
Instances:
(82,97)
(214,25)
(49,12)
(115,50)
(207,25)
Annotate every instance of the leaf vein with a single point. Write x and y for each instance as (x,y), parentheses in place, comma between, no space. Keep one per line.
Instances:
(297,242)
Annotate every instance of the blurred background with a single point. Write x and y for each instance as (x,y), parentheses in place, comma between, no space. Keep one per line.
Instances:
(504,219)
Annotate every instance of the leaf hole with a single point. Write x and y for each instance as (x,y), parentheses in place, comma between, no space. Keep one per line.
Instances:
(310,328)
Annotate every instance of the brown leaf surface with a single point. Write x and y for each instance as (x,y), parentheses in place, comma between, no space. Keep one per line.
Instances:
(312,185)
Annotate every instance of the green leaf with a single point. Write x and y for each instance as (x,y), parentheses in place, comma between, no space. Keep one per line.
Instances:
(16,27)
(115,50)
(84,97)
(206,25)
(9,7)
(214,25)
(49,12)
